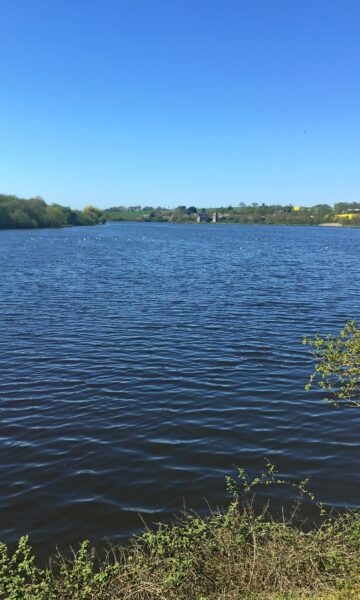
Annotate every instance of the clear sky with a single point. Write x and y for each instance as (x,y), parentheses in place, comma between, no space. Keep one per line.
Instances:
(168,102)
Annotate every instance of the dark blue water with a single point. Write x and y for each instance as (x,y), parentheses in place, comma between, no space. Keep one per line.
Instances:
(140,362)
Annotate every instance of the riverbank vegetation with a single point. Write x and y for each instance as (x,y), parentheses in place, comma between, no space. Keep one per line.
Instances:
(342,214)
(229,556)
(239,553)
(19,213)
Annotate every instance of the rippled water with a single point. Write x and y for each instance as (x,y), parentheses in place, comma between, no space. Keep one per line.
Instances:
(139,362)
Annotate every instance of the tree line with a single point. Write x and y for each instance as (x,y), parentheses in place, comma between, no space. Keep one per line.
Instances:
(273,214)
(21,213)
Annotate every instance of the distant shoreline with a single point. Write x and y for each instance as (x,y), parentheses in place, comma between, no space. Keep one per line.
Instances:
(224,223)
(342,214)
(61,227)
(35,213)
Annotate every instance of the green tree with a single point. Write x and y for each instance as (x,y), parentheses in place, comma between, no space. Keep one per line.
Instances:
(21,219)
(181,210)
(20,213)
(92,215)
(191,210)
(56,215)
(337,365)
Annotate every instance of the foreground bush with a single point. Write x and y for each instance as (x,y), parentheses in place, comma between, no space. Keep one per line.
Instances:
(229,555)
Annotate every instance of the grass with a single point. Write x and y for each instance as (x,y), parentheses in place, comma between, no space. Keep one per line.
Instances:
(127,215)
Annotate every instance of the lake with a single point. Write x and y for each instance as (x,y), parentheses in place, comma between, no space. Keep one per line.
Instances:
(141,362)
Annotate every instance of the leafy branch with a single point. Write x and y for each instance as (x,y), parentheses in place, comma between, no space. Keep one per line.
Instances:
(337,365)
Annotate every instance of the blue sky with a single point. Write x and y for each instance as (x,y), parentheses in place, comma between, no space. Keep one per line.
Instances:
(168,102)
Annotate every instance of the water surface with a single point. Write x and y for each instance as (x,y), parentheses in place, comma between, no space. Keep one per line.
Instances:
(139,362)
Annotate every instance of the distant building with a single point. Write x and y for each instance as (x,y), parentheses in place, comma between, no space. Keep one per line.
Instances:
(215,217)
(203,217)
(296,208)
